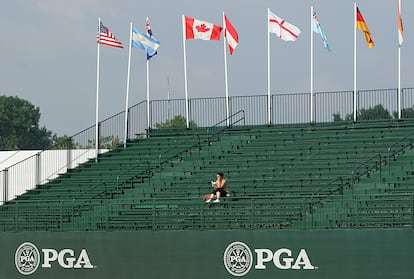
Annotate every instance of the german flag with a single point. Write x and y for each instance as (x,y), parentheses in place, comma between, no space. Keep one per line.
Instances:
(361,25)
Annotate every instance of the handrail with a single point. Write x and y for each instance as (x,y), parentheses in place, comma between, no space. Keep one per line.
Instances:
(197,198)
(175,154)
(160,161)
(340,179)
(41,178)
(399,149)
(340,189)
(25,159)
(175,148)
(176,199)
(402,147)
(243,118)
(67,218)
(67,165)
(356,175)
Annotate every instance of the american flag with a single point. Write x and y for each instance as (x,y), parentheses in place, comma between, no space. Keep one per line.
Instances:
(105,37)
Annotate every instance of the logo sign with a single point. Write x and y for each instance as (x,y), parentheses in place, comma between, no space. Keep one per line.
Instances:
(27,258)
(238,259)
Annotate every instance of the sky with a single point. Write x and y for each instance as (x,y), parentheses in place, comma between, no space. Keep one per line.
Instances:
(49,53)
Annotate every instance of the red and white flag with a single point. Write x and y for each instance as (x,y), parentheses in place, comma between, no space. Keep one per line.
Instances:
(231,35)
(198,29)
(282,29)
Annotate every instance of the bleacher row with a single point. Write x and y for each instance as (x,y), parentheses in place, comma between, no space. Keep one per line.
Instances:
(278,178)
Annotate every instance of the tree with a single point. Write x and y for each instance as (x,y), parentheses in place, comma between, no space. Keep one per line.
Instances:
(178,122)
(337,117)
(64,142)
(406,113)
(19,125)
(108,142)
(376,113)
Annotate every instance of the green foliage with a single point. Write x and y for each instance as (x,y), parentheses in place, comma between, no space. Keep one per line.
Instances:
(337,117)
(19,126)
(64,142)
(406,113)
(376,113)
(178,122)
(105,143)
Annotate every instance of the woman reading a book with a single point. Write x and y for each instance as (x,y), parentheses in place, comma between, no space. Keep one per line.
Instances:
(220,188)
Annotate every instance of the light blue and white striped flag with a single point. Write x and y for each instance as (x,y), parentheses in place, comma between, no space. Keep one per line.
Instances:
(144,42)
(316,27)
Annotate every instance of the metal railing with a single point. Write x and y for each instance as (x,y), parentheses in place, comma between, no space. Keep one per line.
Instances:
(226,123)
(288,109)
(374,163)
(374,211)
(241,213)
(401,145)
(39,168)
(179,149)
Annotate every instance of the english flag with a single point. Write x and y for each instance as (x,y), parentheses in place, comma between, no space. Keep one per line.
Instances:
(202,30)
(231,35)
(282,29)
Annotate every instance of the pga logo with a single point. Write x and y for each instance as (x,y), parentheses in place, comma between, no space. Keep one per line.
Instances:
(28,258)
(238,259)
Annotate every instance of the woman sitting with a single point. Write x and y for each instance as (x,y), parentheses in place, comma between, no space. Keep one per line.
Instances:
(220,188)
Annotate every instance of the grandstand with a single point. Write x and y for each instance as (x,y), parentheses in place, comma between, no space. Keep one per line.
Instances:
(301,197)
(278,178)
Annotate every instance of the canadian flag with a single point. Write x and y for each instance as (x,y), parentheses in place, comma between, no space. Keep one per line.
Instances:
(231,35)
(198,29)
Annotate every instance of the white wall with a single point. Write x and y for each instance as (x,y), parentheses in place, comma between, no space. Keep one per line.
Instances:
(23,170)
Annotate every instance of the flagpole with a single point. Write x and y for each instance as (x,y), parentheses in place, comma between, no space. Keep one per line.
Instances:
(399,84)
(97,98)
(399,67)
(225,73)
(127,89)
(185,77)
(268,70)
(169,97)
(311,70)
(355,61)
(148,97)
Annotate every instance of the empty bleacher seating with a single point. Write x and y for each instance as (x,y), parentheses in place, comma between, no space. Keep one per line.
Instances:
(278,178)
